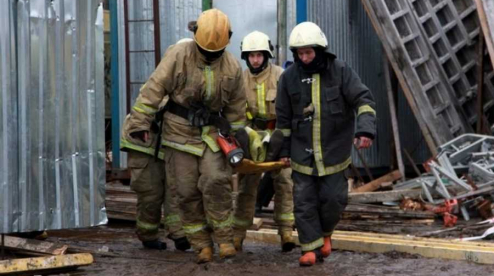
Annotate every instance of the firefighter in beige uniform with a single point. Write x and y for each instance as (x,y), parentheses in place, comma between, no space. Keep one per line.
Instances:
(204,82)
(261,80)
(152,189)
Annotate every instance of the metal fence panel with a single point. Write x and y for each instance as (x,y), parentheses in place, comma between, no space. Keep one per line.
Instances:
(60,150)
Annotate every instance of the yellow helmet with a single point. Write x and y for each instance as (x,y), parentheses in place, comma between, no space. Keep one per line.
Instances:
(213,30)
(307,34)
(254,42)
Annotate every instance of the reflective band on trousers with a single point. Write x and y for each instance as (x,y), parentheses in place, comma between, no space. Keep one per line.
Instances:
(286,216)
(142,108)
(327,170)
(366,109)
(193,228)
(210,87)
(316,122)
(327,234)
(147,226)
(124,144)
(185,148)
(241,222)
(171,219)
(261,100)
(221,224)
(312,245)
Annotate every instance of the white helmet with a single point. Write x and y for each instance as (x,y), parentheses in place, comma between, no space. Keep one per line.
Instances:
(256,42)
(307,34)
(184,40)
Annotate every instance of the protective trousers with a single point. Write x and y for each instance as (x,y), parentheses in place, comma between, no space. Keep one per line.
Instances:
(148,181)
(319,203)
(246,200)
(204,190)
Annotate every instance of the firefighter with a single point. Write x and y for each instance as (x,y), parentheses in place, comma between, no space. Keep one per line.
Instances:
(261,79)
(152,189)
(322,107)
(204,83)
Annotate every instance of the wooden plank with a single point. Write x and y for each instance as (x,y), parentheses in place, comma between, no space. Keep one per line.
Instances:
(374,185)
(477,252)
(375,197)
(394,118)
(40,264)
(35,246)
(360,210)
(485,10)
(256,224)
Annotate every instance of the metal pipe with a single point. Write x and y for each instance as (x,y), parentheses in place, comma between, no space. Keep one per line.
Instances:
(301,11)
(3,246)
(157,39)
(281,46)
(115,96)
(127,53)
(480,83)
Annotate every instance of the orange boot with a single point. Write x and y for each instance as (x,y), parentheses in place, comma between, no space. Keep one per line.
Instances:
(307,259)
(326,248)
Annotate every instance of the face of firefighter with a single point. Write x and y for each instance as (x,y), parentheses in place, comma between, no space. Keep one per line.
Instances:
(306,54)
(256,59)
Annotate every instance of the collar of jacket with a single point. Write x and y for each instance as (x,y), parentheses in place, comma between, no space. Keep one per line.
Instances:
(327,54)
(202,62)
(262,76)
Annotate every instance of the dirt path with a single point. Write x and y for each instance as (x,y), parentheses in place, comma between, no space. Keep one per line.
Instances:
(119,253)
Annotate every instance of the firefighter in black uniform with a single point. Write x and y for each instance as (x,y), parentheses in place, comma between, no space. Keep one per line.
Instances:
(319,101)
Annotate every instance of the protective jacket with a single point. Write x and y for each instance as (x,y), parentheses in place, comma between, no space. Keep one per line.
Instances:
(317,111)
(188,79)
(261,92)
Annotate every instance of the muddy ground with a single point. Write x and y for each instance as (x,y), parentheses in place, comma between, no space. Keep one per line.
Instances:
(118,252)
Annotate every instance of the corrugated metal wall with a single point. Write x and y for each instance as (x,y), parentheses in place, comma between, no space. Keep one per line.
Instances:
(52,168)
(352,38)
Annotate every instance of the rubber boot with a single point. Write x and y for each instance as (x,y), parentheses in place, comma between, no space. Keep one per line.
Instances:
(309,258)
(275,145)
(205,256)
(227,250)
(326,248)
(287,241)
(243,139)
(181,244)
(156,244)
(238,243)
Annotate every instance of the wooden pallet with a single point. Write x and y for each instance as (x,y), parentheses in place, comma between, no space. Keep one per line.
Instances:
(431,46)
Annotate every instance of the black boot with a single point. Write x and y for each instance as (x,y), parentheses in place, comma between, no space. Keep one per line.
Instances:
(182,244)
(156,244)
